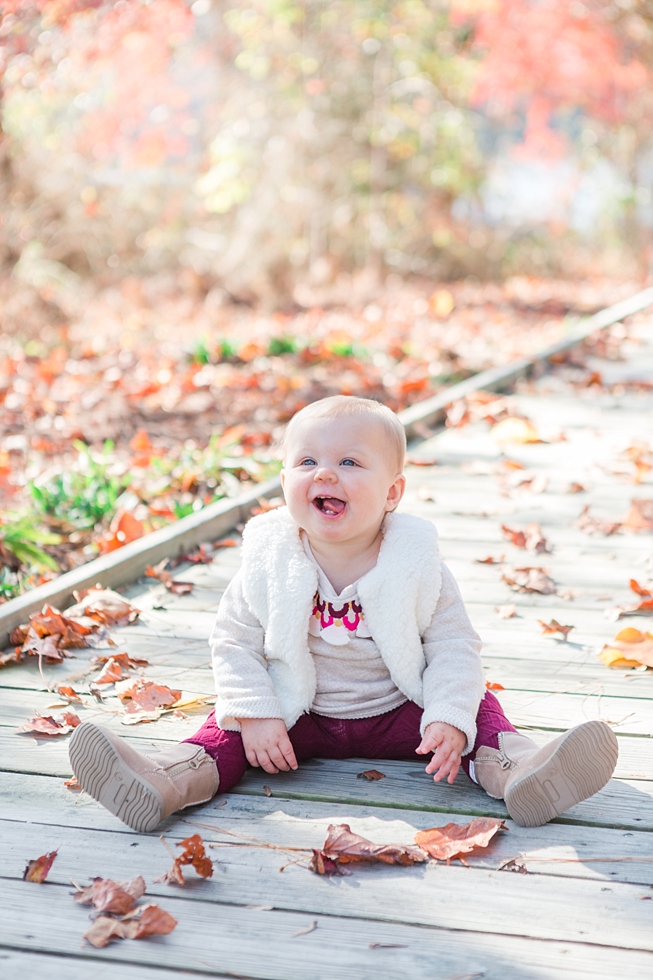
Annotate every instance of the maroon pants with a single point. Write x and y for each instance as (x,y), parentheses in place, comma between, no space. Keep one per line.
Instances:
(393,735)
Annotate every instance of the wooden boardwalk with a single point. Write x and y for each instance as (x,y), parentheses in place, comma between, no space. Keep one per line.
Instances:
(584,907)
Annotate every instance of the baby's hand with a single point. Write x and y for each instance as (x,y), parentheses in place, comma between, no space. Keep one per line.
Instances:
(448,743)
(267,744)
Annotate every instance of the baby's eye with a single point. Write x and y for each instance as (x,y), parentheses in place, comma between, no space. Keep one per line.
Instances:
(349,462)
(307,462)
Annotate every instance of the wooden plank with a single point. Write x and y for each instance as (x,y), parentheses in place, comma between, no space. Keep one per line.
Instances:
(632,716)
(557,849)
(16,964)
(267,947)
(538,906)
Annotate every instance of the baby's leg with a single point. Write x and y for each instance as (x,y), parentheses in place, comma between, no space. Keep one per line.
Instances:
(538,784)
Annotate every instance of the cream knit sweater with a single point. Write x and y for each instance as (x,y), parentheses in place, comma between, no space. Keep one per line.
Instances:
(261,646)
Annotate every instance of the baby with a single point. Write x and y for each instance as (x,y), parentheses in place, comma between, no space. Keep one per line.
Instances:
(344,635)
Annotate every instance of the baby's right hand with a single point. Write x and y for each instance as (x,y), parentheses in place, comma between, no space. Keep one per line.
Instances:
(267,744)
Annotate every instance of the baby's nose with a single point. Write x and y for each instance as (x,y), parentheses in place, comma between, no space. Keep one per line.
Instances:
(325,473)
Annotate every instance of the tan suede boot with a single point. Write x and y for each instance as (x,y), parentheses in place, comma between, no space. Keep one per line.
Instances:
(539,784)
(141,791)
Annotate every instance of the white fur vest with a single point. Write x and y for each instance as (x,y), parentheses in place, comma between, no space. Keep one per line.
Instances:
(398,595)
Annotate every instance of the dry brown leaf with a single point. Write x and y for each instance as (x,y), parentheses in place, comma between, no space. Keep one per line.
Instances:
(490,560)
(453,839)
(103,606)
(531,538)
(51,726)
(594,525)
(630,648)
(125,660)
(576,488)
(643,608)
(193,854)
(148,696)
(38,869)
(72,784)
(507,611)
(640,516)
(529,579)
(267,791)
(110,673)
(172,585)
(116,897)
(342,846)
(372,775)
(555,627)
(149,920)
(67,692)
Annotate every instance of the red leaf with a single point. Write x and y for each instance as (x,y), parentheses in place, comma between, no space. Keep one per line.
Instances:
(344,847)
(39,869)
(193,854)
(147,696)
(116,897)
(453,839)
(555,627)
(493,686)
(48,725)
(372,775)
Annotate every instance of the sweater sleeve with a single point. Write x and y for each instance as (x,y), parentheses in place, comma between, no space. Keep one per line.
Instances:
(242,682)
(454,682)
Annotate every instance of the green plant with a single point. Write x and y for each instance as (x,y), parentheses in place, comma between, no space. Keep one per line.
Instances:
(24,539)
(283,345)
(83,495)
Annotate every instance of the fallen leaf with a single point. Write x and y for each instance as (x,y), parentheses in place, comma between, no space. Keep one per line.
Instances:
(149,920)
(593,525)
(506,612)
(226,543)
(148,696)
(51,726)
(413,460)
(72,784)
(267,791)
(305,932)
(493,686)
(172,585)
(116,897)
(38,869)
(576,488)
(123,529)
(372,775)
(529,579)
(514,429)
(344,847)
(199,557)
(555,627)
(67,692)
(630,648)
(103,606)
(110,673)
(640,516)
(453,839)
(514,864)
(531,538)
(643,608)
(490,560)
(125,660)
(193,854)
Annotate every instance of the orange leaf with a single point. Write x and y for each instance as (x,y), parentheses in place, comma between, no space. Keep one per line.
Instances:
(453,839)
(371,775)
(344,847)
(493,686)
(149,920)
(39,869)
(147,696)
(67,692)
(193,854)
(48,725)
(640,516)
(110,673)
(630,648)
(116,897)
(555,627)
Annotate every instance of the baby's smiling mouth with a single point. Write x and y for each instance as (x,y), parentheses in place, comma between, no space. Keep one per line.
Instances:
(331,506)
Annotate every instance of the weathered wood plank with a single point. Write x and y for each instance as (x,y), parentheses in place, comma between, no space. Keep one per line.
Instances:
(267,948)
(15,964)
(556,849)
(622,803)
(538,906)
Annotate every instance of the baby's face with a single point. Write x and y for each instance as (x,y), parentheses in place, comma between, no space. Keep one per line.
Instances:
(339,479)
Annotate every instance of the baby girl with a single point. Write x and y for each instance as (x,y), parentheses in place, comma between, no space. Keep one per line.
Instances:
(344,634)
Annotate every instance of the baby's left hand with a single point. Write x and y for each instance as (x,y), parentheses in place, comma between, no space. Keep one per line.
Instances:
(447,743)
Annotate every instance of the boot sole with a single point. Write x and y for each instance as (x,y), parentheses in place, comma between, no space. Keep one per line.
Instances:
(581,765)
(104,775)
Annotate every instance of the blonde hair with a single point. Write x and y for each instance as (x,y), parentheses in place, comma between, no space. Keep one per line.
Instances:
(347,406)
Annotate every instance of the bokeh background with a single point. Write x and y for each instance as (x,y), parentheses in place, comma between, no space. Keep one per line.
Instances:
(214,212)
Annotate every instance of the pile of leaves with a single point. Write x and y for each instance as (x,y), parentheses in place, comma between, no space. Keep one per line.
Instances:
(105,441)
